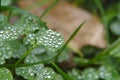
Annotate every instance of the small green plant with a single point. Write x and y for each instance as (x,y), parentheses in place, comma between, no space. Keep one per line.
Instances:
(26,45)
(29,50)
(28,41)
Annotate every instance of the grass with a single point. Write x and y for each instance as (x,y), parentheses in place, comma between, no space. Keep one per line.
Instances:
(83,67)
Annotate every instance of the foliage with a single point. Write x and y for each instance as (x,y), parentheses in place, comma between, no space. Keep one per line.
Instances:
(5,2)
(5,74)
(29,50)
(28,40)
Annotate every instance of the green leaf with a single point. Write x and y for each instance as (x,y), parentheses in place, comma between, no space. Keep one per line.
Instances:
(108,73)
(29,72)
(52,40)
(18,48)
(115,27)
(2,18)
(10,49)
(75,74)
(90,74)
(38,72)
(36,33)
(17,39)
(64,56)
(115,52)
(5,74)
(5,51)
(5,2)
(9,32)
(29,23)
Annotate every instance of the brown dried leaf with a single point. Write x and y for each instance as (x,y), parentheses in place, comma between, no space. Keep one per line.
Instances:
(65,18)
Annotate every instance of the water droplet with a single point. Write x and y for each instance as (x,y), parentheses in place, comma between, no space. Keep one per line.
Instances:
(50,38)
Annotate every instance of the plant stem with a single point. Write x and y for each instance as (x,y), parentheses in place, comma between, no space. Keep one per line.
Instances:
(71,37)
(25,54)
(64,75)
(49,8)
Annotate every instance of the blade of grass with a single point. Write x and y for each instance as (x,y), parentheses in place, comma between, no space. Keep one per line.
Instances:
(24,55)
(49,8)
(100,7)
(64,75)
(105,52)
(100,55)
(104,19)
(71,37)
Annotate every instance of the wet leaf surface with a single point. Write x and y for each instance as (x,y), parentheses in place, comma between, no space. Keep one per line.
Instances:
(5,74)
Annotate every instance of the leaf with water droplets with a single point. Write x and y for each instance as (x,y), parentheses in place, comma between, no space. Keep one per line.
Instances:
(18,49)
(108,73)
(52,40)
(28,24)
(29,39)
(16,39)
(5,51)
(30,72)
(34,32)
(10,49)
(75,73)
(5,74)
(37,72)
(9,32)
(90,74)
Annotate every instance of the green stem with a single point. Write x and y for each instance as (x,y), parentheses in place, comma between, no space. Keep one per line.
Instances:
(25,54)
(64,75)
(49,8)
(71,37)
(7,65)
